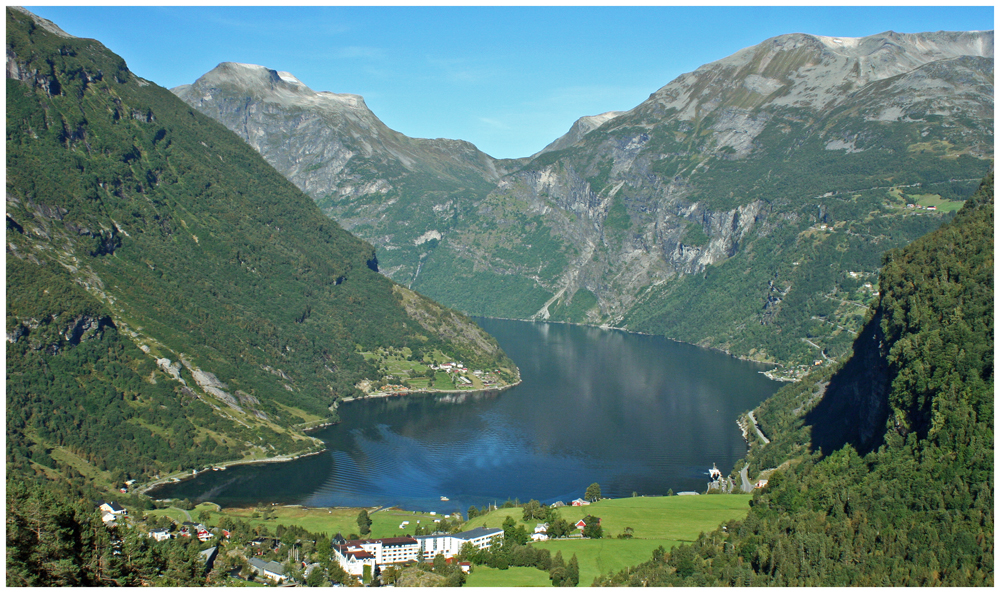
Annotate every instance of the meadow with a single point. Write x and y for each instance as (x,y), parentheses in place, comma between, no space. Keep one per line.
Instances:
(330,521)
(655,521)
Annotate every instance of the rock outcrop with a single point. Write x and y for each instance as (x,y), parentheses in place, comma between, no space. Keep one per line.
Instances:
(739,161)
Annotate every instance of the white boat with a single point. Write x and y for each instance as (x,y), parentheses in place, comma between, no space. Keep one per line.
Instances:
(444,498)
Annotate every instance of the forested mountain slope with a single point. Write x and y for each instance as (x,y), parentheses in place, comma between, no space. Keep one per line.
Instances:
(908,498)
(172,300)
(744,206)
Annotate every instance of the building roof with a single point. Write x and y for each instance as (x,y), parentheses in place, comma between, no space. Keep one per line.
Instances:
(114,506)
(350,549)
(269,566)
(385,541)
(477,532)
(397,541)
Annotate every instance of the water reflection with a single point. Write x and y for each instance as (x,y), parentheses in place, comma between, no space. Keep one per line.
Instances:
(634,413)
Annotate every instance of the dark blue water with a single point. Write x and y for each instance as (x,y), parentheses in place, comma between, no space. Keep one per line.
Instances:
(632,413)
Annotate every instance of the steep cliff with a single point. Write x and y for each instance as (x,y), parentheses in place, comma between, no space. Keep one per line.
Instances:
(743,206)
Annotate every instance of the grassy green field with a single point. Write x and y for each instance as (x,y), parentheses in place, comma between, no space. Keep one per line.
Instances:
(601,556)
(665,517)
(385,523)
(517,576)
(937,201)
(655,521)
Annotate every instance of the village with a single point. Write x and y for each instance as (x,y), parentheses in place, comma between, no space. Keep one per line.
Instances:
(259,557)
(291,545)
(431,373)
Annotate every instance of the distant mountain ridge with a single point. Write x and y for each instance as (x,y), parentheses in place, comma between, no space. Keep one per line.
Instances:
(646,219)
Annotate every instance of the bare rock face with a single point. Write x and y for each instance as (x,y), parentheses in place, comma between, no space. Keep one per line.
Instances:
(578,130)
(733,165)
(326,143)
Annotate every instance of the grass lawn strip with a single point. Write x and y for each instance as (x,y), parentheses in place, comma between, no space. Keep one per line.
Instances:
(516,576)
(601,556)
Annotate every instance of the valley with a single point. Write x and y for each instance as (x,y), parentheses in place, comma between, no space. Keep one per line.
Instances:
(257,336)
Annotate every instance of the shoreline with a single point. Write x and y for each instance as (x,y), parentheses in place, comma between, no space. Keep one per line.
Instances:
(187,474)
(638,333)
(386,394)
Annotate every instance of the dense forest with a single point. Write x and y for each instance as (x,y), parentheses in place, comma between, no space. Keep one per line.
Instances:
(172,300)
(885,465)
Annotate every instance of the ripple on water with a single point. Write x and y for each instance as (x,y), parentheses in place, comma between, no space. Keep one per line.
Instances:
(632,413)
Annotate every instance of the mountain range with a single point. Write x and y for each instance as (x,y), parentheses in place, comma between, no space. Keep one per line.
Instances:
(174,302)
(744,206)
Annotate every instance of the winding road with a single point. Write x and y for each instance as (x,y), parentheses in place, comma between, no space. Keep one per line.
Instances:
(759,433)
(747,486)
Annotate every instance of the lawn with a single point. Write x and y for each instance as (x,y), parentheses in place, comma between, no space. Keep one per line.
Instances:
(517,576)
(937,201)
(655,517)
(656,521)
(601,556)
(663,517)
(178,515)
(385,523)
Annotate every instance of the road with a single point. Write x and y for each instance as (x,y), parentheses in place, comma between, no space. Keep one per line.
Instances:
(747,486)
(759,433)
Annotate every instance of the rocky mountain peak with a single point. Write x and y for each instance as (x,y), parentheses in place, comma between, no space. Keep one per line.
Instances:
(810,71)
(267,85)
(44,23)
(578,130)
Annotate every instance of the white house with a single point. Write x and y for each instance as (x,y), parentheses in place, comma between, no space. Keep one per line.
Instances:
(451,544)
(160,534)
(353,559)
(113,507)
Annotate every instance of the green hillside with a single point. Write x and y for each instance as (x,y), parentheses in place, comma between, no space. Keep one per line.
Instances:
(891,477)
(172,300)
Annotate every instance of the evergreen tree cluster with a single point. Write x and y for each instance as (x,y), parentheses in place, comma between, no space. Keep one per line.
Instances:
(917,510)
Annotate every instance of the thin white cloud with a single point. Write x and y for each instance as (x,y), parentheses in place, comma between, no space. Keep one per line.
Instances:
(494,123)
(462,70)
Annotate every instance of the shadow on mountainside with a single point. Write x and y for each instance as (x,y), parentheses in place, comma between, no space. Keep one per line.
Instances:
(855,407)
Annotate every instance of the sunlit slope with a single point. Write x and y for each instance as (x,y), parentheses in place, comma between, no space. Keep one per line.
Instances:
(172,299)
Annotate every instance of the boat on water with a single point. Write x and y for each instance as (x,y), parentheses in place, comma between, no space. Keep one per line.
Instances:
(444,499)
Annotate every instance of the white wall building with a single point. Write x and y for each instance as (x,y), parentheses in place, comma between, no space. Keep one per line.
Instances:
(353,559)
(353,555)
(451,544)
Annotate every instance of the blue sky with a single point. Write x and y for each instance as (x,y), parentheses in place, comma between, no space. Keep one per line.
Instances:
(508,79)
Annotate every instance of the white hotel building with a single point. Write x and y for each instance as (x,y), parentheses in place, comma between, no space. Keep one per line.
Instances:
(353,555)
(451,544)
